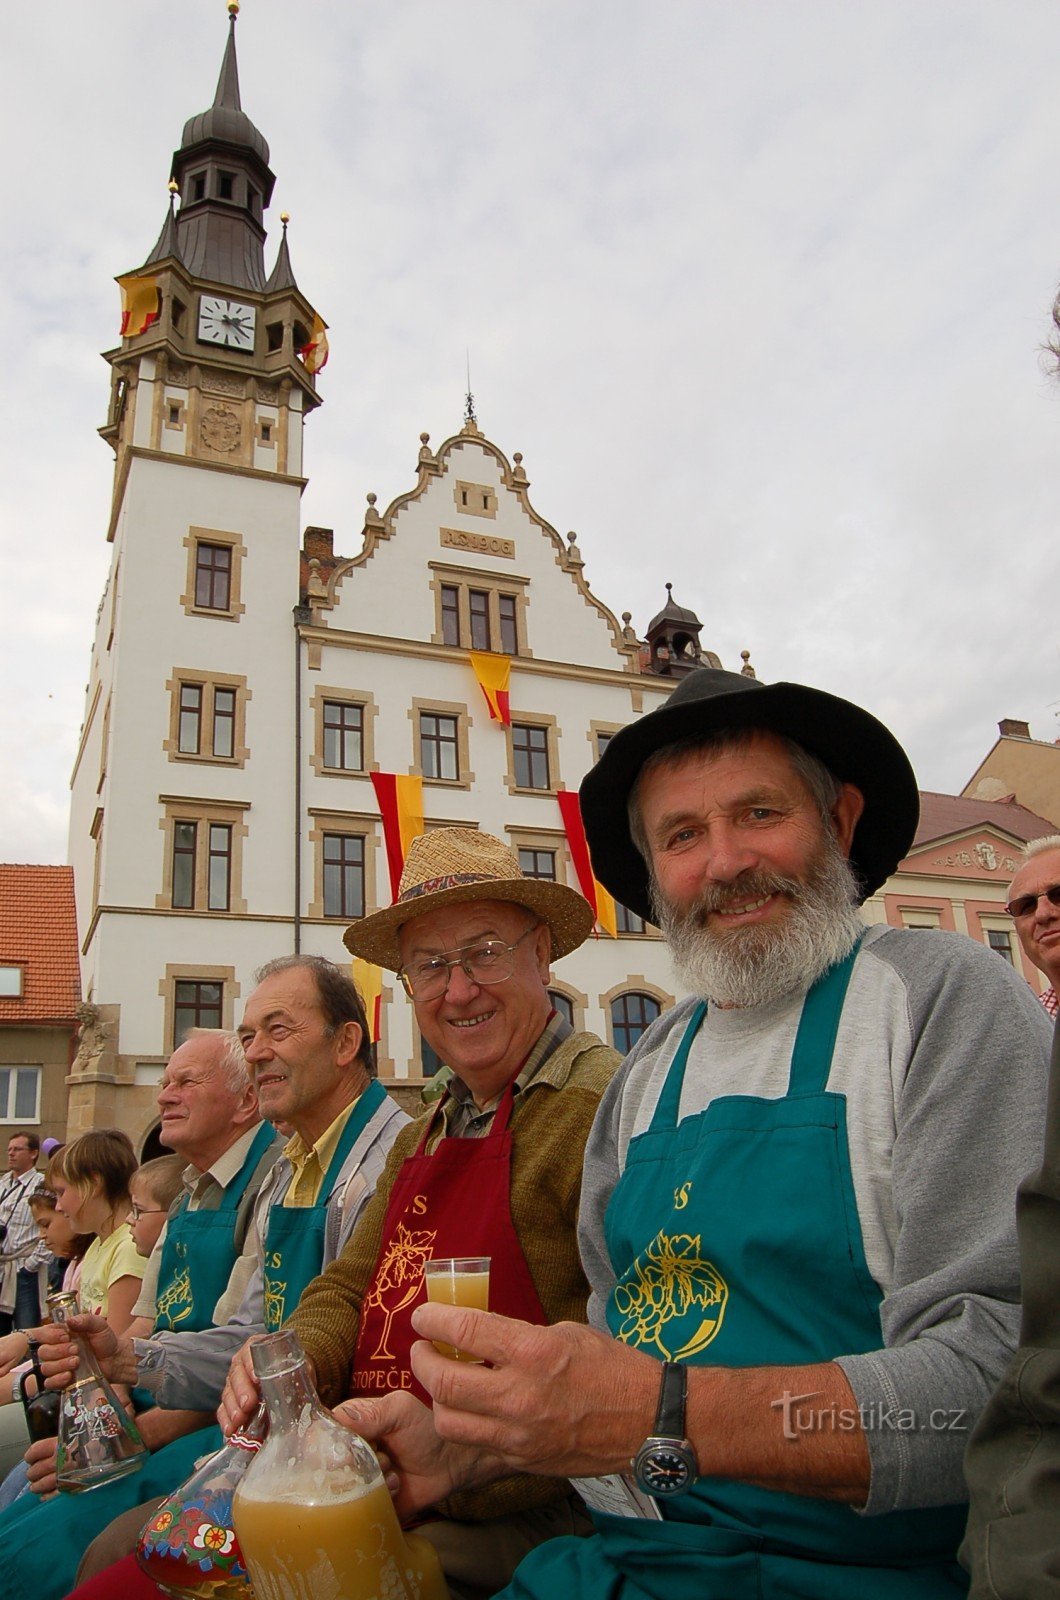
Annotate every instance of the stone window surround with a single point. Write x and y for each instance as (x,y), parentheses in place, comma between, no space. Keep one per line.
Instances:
(173,403)
(595,729)
(351,697)
(475,494)
(228,813)
(181,971)
(577,999)
(444,708)
(634,983)
(533,719)
(495,584)
(363,824)
(554,839)
(209,682)
(192,540)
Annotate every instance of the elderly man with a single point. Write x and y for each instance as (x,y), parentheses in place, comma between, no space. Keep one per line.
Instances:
(23,1254)
(796,1206)
(305,1040)
(494,1171)
(1013,1464)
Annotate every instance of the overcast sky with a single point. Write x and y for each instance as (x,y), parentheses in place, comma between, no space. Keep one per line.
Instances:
(758,289)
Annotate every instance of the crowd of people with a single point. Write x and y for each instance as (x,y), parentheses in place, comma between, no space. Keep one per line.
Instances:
(756,1325)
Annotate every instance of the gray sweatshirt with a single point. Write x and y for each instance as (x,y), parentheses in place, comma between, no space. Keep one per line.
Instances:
(942,1054)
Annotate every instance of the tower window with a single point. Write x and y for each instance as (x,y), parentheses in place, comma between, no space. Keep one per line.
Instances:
(252,200)
(226,185)
(198,186)
(274,335)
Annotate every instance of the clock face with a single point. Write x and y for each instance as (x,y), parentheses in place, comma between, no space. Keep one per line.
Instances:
(226,322)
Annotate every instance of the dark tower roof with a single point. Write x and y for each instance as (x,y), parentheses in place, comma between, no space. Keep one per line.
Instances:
(282,274)
(222,168)
(673,639)
(674,614)
(166,244)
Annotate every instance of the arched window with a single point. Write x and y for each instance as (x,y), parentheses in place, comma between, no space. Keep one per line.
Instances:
(563,1004)
(429,1059)
(631,1013)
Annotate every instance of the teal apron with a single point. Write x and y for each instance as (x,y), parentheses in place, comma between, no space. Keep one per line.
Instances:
(294,1235)
(66,1525)
(199,1251)
(736,1242)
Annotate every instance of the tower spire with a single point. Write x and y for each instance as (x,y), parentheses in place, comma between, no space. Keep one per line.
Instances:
(228,82)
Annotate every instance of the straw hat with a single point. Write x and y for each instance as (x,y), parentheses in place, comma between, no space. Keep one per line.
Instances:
(852,744)
(451,866)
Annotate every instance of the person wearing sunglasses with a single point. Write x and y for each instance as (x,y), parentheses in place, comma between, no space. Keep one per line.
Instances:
(1012,1545)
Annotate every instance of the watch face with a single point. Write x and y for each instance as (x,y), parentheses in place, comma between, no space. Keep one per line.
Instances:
(226,322)
(665,1466)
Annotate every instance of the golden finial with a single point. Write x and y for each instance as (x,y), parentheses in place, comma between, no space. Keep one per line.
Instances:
(285,217)
(233,9)
(174,186)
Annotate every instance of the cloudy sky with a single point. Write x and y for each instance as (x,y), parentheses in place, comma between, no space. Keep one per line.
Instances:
(758,287)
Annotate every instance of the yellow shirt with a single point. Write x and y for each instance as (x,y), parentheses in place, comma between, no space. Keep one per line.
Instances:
(310,1162)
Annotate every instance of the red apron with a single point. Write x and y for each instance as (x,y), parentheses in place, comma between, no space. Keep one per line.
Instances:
(455,1202)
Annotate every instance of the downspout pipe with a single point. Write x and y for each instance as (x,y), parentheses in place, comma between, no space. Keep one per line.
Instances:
(302,618)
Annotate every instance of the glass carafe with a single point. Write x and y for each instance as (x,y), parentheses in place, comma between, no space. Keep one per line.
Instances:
(189,1547)
(97,1439)
(313,1514)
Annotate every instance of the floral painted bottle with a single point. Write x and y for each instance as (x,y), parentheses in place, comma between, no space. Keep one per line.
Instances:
(313,1514)
(97,1440)
(189,1547)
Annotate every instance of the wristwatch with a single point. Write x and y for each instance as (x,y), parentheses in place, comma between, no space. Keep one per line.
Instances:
(666,1463)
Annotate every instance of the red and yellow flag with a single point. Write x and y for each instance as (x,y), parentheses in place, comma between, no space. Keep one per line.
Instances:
(400,800)
(598,897)
(141,304)
(315,352)
(369,980)
(494,674)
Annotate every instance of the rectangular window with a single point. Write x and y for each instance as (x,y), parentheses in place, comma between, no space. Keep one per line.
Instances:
(530,752)
(343,875)
(538,864)
(189,731)
(509,631)
(224,722)
(626,920)
(198,186)
(450,615)
(213,576)
(10,983)
(20,1094)
(196,1004)
(226,185)
(184,865)
(479,608)
(1001,942)
(438,746)
(219,867)
(343,736)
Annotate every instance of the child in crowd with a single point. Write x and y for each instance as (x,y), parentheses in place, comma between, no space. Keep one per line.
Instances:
(153,1189)
(68,1246)
(90,1178)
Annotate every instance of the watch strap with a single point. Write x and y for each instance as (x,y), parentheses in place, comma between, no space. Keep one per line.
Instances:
(673,1392)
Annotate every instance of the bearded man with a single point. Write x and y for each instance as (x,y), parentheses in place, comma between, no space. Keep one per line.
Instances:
(796,1214)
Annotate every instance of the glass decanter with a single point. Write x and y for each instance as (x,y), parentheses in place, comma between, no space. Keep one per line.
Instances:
(189,1548)
(97,1439)
(313,1514)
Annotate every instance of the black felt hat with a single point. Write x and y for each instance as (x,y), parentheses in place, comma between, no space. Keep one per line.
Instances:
(853,745)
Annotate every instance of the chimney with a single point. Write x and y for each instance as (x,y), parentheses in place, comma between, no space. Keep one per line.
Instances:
(1010,728)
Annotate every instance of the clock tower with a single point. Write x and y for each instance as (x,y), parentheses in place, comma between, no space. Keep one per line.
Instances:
(185,778)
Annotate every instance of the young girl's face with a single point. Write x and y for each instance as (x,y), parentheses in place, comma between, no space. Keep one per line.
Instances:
(146,1226)
(57,1233)
(68,1200)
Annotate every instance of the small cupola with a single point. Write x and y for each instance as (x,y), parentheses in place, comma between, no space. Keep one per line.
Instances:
(673,640)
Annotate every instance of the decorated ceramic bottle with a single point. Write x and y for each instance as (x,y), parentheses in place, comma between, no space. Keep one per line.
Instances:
(189,1547)
(313,1514)
(97,1440)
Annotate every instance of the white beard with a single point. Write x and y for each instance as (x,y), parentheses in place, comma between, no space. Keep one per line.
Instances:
(762,962)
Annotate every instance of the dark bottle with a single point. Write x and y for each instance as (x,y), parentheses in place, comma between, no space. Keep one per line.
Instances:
(41,1407)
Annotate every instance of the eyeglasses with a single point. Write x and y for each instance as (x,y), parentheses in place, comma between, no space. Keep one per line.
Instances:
(489,962)
(1024,904)
(136,1212)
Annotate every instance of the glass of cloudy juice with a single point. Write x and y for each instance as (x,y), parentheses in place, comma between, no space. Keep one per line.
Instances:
(458,1281)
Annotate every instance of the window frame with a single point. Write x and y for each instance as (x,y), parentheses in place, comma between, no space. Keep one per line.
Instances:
(180,811)
(329,821)
(13,967)
(11,1071)
(347,837)
(330,694)
(459,713)
(182,972)
(465,580)
(624,995)
(547,726)
(209,685)
(217,538)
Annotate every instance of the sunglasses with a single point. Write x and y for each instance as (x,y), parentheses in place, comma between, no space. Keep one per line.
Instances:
(1026,903)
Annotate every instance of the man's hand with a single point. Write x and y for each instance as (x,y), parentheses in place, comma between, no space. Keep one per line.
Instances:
(420,1468)
(40,1459)
(242,1391)
(564,1401)
(58,1352)
(14,1348)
